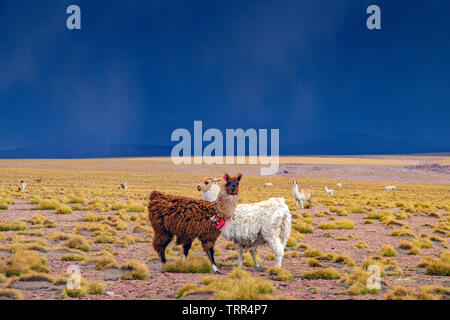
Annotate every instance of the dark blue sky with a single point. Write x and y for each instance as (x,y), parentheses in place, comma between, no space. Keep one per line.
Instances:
(139,69)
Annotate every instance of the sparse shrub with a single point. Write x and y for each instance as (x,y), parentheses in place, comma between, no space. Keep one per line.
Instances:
(437,267)
(279,274)
(11,294)
(302,227)
(134,270)
(388,251)
(343,224)
(326,274)
(312,262)
(77,207)
(135,207)
(12,226)
(76,200)
(342,258)
(386,265)
(47,204)
(424,293)
(291,242)
(77,242)
(102,262)
(72,258)
(356,283)
(194,263)
(90,217)
(24,261)
(357,210)
(402,233)
(96,287)
(238,285)
(63,209)
(60,236)
(414,251)
(361,245)
(313,253)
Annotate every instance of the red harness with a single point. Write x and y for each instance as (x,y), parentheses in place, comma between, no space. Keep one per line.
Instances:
(223,223)
(220,225)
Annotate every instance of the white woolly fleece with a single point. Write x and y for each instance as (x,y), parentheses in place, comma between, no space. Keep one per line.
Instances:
(254,224)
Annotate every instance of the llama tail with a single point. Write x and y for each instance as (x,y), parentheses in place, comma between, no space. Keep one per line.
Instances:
(155,194)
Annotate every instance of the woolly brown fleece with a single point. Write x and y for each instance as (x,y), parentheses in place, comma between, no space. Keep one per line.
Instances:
(188,218)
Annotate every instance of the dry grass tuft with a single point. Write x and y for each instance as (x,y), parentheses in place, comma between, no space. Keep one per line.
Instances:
(356,283)
(326,274)
(437,267)
(11,294)
(24,261)
(194,263)
(424,293)
(279,274)
(238,285)
(387,251)
(134,270)
(343,224)
(77,242)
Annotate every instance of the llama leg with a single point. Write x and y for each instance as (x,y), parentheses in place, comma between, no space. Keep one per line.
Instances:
(239,250)
(160,242)
(253,253)
(301,201)
(208,247)
(296,201)
(277,248)
(186,248)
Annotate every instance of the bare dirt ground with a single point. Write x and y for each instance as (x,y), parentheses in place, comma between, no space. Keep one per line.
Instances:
(375,173)
(160,285)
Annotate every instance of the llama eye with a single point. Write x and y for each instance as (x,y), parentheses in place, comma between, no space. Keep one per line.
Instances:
(206,182)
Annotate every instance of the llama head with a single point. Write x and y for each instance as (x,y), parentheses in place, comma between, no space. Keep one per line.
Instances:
(294,183)
(231,185)
(206,183)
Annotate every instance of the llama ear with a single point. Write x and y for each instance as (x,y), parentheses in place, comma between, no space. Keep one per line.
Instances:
(217,180)
(239,176)
(226,177)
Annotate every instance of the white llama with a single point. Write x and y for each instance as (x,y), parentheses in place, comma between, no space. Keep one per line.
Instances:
(254,224)
(302,196)
(330,192)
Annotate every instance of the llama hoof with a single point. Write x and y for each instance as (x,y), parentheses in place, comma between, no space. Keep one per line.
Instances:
(261,269)
(218,272)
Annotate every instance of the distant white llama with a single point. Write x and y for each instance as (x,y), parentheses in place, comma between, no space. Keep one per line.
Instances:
(339,185)
(390,188)
(302,196)
(330,192)
(254,224)
(22,186)
(268,184)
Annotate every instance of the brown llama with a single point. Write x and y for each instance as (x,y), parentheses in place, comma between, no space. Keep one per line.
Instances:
(188,219)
